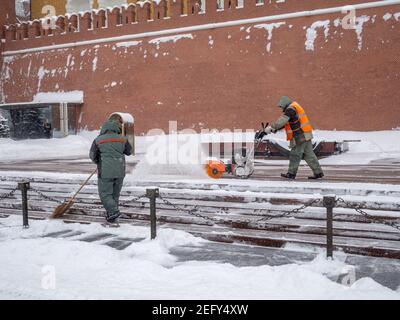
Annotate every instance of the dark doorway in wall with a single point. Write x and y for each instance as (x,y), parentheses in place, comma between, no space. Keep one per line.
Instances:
(41,121)
(29,123)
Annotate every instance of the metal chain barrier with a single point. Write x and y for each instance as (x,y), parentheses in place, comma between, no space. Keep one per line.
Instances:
(8,195)
(46,197)
(193,212)
(196,212)
(93,206)
(81,204)
(133,199)
(286,213)
(359,208)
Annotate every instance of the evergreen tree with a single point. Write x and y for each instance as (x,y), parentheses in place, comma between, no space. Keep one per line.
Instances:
(4,128)
(32,123)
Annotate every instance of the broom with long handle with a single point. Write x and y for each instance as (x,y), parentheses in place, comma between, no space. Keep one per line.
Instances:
(64,207)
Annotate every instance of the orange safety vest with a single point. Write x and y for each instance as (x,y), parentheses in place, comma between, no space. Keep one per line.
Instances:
(304,122)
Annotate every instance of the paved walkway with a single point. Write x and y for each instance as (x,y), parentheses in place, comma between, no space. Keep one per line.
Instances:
(382,171)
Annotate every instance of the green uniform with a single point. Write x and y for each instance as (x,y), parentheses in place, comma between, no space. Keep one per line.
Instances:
(304,151)
(108,152)
(301,143)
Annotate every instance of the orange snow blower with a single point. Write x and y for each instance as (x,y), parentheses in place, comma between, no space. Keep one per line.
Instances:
(242,163)
(215,168)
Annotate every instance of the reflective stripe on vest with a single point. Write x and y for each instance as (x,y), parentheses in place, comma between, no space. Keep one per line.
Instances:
(122,140)
(304,121)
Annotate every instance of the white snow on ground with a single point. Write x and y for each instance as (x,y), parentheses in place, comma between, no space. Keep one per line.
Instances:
(373,145)
(47,268)
(36,149)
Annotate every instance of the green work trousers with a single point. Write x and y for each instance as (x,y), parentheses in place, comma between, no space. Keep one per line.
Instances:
(304,151)
(109,192)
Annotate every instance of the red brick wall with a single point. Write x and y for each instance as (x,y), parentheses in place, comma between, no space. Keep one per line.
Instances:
(7,12)
(224,77)
(7,15)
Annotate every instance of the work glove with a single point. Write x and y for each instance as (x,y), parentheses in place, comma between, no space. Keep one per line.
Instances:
(259,135)
(269,130)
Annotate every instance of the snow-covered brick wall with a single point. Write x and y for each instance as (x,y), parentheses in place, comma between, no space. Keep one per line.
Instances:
(312,33)
(269,27)
(52,97)
(219,73)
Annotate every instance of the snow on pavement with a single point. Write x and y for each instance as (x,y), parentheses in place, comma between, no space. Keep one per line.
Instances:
(374,145)
(37,149)
(146,270)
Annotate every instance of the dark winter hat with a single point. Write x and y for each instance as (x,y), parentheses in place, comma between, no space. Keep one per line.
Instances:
(284,102)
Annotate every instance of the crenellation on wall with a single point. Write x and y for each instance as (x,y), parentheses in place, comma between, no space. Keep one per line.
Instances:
(147,16)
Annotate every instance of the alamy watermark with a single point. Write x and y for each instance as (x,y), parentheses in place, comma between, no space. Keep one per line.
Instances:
(349,20)
(49,20)
(48,281)
(189,147)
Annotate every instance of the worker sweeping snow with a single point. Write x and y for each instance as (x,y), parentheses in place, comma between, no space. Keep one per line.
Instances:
(108,152)
(299,133)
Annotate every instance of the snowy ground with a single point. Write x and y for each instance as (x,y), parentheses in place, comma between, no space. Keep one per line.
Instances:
(36,267)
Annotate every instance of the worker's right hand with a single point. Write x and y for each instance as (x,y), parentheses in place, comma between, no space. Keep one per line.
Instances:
(259,135)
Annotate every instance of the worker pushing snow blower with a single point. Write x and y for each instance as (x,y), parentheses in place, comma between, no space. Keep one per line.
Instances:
(299,132)
(241,165)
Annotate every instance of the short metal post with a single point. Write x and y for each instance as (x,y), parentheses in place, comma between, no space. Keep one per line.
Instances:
(329,204)
(24,186)
(152,194)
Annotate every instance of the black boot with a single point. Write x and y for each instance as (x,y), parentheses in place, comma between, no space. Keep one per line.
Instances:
(288,175)
(111,223)
(316,176)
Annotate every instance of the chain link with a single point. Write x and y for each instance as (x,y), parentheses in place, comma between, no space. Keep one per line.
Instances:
(359,208)
(46,197)
(133,199)
(82,205)
(8,195)
(193,212)
(287,213)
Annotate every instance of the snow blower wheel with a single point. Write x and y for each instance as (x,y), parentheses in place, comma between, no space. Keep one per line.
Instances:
(215,169)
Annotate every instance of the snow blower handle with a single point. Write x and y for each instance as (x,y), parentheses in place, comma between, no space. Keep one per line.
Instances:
(261,133)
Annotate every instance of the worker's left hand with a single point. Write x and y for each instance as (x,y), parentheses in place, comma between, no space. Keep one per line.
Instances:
(268,130)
